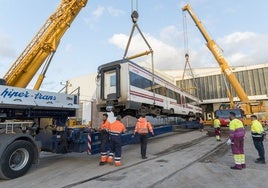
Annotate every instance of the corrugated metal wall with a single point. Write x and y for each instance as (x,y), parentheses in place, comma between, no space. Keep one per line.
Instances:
(254,82)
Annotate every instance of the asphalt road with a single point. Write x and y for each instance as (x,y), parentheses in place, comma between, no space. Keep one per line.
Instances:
(176,160)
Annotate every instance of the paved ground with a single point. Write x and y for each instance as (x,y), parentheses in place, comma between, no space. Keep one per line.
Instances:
(214,171)
(179,160)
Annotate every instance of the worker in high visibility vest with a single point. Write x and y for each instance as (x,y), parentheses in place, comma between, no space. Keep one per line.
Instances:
(104,131)
(116,129)
(217,127)
(142,128)
(258,134)
(236,140)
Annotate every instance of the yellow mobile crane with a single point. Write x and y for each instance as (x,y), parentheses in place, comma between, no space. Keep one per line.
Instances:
(43,45)
(248,107)
(31,120)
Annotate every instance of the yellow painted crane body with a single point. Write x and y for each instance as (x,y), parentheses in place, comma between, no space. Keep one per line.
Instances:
(43,44)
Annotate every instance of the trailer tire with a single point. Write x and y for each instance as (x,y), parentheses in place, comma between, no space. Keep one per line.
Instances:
(16,159)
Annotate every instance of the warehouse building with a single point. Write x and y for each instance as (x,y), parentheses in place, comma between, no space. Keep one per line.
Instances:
(206,83)
(209,84)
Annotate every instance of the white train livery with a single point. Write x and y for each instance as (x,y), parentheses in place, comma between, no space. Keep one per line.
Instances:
(128,89)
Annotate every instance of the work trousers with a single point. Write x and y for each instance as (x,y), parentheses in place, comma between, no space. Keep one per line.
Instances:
(238,152)
(238,146)
(143,143)
(201,126)
(259,146)
(104,141)
(218,131)
(116,146)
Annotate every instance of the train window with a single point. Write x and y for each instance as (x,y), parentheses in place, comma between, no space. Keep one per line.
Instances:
(164,91)
(178,98)
(112,80)
(157,88)
(139,81)
(190,101)
(144,83)
(171,94)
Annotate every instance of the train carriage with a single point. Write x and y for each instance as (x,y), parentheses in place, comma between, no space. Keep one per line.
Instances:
(129,89)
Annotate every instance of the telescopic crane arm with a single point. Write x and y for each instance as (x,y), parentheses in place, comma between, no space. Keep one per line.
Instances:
(43,44)
(248,106)
(216,51)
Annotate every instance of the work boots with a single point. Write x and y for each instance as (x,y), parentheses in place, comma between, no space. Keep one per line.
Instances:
(103,160)
(236,167)
(110,160)
(117,163)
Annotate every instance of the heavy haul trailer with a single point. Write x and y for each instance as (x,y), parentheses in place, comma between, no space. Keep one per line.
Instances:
(33,121)
(127,137)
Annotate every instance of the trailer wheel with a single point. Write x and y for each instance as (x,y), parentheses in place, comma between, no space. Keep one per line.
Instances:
(17,159)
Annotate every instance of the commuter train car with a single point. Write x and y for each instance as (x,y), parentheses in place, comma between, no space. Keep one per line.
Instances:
(129,89)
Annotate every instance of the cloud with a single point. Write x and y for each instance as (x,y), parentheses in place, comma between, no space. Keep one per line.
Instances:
(240,48)
(245,48)
(101,12)
(7,54)
(171,35)
(238,37)
(165,56)
(98,12)
(68,47)
(6,50)
(115,12)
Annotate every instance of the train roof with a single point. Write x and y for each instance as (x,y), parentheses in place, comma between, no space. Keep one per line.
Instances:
(113,63)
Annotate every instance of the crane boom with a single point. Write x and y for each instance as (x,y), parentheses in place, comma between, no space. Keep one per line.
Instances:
(216,51)
(248,106)
(43,44)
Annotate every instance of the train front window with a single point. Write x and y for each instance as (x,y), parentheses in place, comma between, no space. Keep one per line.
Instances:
(112,80)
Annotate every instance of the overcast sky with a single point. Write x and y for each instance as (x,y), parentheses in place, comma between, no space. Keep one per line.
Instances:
(100,32)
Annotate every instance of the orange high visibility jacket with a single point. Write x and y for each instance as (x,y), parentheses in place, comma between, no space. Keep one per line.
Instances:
(105,125)
(117,127)
(142,126)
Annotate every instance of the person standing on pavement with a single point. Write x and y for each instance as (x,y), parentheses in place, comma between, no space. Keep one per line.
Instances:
(104,131)
(236,139)
(201,124)
(258,134)
(142,128)
(116,129)
(217,127)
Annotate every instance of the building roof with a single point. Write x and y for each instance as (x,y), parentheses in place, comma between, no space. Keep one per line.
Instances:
(208,71)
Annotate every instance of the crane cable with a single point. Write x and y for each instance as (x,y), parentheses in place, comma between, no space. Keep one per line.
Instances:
(186,51)
(132,6)
(185,33)
(134,17)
